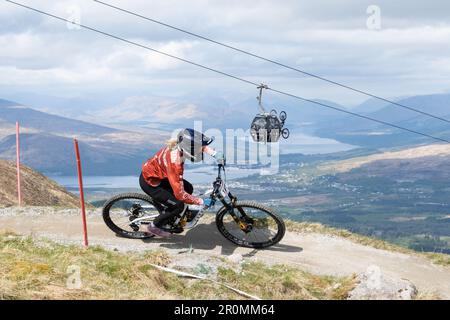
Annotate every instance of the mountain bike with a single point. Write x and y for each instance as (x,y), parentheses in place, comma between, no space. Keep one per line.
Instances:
(245,223)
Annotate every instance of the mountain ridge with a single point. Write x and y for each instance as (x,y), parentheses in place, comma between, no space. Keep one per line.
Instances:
(366,133)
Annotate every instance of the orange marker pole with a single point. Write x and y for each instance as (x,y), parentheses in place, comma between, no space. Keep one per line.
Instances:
(19,189)
(80,183)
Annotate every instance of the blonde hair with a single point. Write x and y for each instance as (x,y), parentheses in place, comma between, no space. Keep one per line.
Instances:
(171,143)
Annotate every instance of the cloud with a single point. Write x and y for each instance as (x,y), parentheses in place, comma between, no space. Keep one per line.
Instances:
(323,37)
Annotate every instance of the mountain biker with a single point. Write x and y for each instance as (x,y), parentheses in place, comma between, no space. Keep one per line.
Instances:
(162,176)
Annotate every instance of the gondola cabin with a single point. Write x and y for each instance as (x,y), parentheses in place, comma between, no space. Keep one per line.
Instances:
(268,127)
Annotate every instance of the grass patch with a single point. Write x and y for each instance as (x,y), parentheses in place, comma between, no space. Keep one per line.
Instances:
(280,281)
(439,258)
(40,269)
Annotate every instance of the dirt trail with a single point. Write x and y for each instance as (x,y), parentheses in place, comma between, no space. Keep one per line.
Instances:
(317,253)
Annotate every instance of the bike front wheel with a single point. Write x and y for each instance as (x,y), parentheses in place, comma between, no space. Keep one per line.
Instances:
(259,226)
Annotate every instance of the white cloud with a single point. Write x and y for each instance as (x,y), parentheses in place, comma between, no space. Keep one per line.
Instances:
(328,38)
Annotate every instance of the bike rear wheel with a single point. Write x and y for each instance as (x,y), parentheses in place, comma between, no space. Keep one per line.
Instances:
(262,227)
(128,214)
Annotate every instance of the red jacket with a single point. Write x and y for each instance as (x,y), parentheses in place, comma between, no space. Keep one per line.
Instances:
(167,164)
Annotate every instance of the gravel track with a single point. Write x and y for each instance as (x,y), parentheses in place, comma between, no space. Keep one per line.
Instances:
(317,253)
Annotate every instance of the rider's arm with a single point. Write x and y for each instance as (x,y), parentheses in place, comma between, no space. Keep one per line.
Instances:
(213,153)
(175,177)
(218,155)
(210,151)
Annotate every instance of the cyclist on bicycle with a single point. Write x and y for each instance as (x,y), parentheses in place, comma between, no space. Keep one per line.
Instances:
(162,177)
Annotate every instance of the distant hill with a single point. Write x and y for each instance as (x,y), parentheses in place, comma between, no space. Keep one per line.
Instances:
(37,189)
(366,133)
(372,105)
(140,124)
(219,110)
(6,103)
(47,143)
(214,109)
(30,118)
(306,117)
(430,162)
(54,155)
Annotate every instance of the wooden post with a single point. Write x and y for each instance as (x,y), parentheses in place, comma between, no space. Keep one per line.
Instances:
(80,183)
(19,189)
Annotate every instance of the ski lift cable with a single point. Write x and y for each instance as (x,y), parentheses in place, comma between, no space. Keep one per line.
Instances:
(273,61)
(224,73)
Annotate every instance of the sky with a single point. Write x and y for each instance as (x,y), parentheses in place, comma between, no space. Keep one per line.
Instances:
(404,52)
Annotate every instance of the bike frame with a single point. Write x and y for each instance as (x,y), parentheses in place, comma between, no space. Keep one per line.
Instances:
(220,192)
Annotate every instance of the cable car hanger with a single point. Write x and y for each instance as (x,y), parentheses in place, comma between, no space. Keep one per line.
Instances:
(259,98)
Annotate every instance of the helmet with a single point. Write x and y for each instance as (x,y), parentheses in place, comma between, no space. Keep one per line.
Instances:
(191,143)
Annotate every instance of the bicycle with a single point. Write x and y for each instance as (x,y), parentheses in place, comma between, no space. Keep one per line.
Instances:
(245,223)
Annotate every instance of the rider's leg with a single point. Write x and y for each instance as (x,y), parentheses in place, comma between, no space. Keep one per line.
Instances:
(146,188)
(190,214)
(188,188)
(165,197)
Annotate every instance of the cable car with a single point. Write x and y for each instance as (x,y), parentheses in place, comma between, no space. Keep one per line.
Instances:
(268,126)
